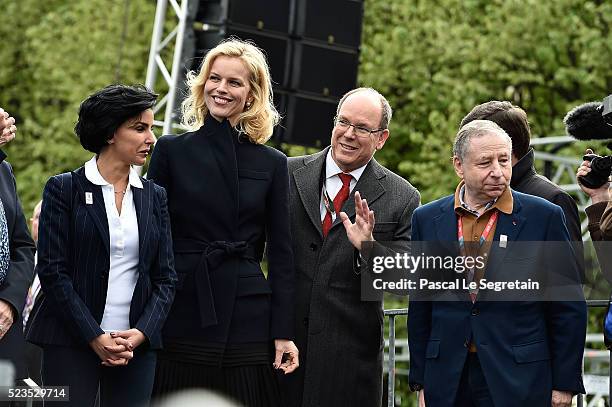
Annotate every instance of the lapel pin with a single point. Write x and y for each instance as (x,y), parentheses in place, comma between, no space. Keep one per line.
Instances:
(88,198)
(514,222)
(503,241)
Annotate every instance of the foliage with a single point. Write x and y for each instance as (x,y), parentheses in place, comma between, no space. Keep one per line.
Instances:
(436,60)
(433,60)
(54,54)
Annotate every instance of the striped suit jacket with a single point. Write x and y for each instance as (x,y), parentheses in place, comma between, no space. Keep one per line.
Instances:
(74,261)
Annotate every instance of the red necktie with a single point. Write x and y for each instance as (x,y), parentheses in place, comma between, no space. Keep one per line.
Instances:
(339,200)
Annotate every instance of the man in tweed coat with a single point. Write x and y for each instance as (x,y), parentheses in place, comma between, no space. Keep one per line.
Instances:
(340,337)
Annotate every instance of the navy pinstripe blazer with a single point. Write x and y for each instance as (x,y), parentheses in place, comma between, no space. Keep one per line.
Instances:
(74,261)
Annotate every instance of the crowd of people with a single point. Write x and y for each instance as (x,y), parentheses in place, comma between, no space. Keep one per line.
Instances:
(138,288)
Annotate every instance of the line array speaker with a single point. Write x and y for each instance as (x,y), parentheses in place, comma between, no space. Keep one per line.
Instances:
(312,48)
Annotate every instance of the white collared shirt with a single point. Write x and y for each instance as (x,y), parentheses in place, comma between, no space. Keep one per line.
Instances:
(333,183)
(124,249)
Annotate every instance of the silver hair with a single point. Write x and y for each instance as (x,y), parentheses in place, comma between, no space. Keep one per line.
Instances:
(387,112)
(476,128)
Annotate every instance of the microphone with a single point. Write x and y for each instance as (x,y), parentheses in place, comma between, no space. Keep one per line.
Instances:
(592,121)
(586,122)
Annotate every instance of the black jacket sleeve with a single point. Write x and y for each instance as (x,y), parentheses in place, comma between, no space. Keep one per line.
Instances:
(21,268)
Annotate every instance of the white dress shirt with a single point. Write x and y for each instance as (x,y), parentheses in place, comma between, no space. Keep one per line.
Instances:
(333,183)
(124,249)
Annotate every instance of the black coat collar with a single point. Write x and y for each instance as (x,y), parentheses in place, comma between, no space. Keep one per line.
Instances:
(523,169)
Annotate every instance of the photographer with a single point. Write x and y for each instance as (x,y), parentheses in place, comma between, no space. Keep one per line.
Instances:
(600,217)
(600,212)
(600,229)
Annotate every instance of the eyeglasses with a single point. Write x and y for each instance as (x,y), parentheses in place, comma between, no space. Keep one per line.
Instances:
(360,131)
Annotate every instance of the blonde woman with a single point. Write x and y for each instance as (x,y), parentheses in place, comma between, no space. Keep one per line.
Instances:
(229,328)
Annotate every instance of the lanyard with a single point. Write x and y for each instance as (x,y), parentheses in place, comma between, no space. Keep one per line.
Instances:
(483,236)
(328,202)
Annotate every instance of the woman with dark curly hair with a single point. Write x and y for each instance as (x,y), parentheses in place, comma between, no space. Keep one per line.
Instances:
(105,259)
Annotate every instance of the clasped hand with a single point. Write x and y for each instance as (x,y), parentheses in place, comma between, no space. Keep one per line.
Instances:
(117,348)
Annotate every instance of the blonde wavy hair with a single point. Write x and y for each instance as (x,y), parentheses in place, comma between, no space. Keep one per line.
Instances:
(258,120)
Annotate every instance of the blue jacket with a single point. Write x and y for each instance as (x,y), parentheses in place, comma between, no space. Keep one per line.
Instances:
(526,348)
(74,261)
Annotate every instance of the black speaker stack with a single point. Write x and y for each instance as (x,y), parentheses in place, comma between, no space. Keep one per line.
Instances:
(312,48)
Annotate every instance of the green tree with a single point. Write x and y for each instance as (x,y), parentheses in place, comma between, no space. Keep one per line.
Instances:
(436,60)
(55,53)
(433,60)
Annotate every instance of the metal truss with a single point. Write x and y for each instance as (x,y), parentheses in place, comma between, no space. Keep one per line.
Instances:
(560,170)
(156,65)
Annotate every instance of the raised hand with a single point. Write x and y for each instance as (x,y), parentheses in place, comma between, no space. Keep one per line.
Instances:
(7,127)
(361,230)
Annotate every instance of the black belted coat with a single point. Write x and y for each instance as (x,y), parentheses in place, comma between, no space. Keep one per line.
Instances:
(228,200)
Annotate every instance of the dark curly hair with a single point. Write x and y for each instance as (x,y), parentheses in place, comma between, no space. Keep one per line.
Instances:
(103,112)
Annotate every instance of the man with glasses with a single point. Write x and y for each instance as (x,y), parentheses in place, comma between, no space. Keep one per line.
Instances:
(341,197)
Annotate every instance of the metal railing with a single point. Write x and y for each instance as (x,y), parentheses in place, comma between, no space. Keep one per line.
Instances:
(391,359)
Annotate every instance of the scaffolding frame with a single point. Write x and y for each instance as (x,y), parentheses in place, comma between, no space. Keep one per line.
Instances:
(556,166)
(156,65)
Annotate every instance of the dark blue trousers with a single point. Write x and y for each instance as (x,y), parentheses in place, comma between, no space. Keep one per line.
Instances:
(473,390)
(81,370)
